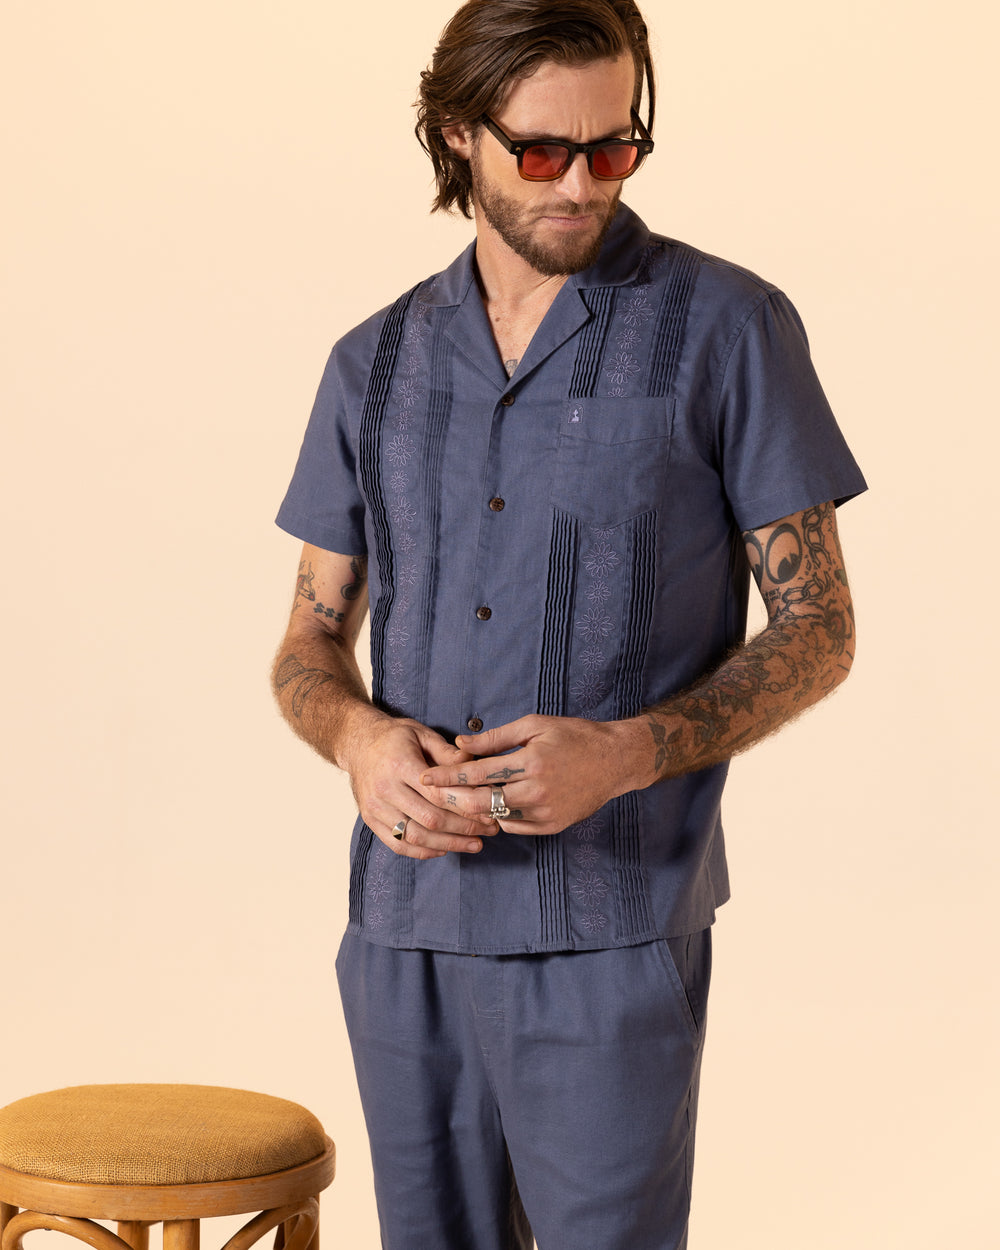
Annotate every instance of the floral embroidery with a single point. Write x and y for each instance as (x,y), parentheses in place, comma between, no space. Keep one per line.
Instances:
(402,512)
(590,889)
(593,922)
(592,658)
(409,393)
(587,830)
(400,450)
(379,889)
(623,369)
(601,559)
(595,624)
(586,856)
(599,592)
(588,692)
(638,311)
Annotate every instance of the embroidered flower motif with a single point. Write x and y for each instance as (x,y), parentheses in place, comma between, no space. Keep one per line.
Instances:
(595,624)
(402,513)
(402,420)
(590,889)
(599,592)
(587,830)
(409,393)
(592,658)
(396,669)
(379,889)
(601,560)
(399,481)
(399,635)
(623,369)
(408,576)
(628,339)
(602,531)
(395,698)
(375,918)
(586,856)
(416,331)
(406,543)
(588,692)
(400,450)
(617,392)
(638,311)
(593,922)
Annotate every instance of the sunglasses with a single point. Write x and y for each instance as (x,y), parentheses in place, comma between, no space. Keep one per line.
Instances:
(610,160)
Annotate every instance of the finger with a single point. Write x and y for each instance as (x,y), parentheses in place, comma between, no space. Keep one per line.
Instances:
(439,750)
(492,771)
(389,803)
(473,802)
(502,738)
(411,839)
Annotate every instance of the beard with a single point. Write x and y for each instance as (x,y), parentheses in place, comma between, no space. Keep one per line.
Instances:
(516,224)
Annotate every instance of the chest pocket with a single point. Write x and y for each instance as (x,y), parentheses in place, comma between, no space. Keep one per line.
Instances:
(612,458)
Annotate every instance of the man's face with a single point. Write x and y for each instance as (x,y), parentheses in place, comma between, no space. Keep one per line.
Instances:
(556,227)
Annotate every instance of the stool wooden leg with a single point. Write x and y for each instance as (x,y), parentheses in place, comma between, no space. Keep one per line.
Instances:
(7,1213)
(180,1234)
(135,1232)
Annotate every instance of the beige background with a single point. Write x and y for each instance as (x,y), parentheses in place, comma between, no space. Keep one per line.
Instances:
(180,250)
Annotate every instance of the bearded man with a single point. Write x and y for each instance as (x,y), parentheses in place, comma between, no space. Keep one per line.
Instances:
(550,472)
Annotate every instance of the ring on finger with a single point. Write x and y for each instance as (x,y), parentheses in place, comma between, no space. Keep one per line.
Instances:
(498,804)
(399,828)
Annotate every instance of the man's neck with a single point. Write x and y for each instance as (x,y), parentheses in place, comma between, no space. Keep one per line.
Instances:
(507,281)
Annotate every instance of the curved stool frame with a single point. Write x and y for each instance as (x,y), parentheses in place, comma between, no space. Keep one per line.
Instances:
(286,1201)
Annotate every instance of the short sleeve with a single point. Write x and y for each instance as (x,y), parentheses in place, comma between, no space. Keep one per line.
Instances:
(323,505)
(780,446)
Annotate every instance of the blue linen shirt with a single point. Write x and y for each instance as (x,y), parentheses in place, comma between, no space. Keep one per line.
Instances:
(567,541)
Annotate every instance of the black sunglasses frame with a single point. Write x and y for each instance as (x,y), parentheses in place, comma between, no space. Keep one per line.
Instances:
(518,147)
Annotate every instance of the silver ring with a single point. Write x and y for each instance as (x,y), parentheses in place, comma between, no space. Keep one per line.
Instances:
(399,828)
(498,805)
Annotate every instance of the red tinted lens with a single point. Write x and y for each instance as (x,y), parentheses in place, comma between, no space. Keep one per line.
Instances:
(544,161)
(614,161)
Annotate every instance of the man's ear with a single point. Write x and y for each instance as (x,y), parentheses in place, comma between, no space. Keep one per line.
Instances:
(458,139)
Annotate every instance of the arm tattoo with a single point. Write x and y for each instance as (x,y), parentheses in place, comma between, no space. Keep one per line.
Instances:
(661,740)
(801,655)
(304,584)
(306,681)
(359,575)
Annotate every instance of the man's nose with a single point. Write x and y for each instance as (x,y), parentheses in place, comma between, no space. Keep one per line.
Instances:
(577,182)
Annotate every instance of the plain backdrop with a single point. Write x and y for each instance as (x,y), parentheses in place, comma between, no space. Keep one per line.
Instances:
(198,198)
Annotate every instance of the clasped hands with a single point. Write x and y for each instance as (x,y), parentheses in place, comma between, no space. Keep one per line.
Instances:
(555,771)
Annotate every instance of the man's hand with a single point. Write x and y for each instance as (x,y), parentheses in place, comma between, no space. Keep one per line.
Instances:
(323,697)
(386,762)
(560,770)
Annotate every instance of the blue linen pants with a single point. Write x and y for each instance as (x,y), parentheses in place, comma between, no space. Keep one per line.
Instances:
(518,1094)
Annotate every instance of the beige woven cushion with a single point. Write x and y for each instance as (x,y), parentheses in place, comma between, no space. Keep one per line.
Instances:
(156,1134)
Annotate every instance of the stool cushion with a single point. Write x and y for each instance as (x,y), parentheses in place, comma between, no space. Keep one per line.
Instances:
(156,1134)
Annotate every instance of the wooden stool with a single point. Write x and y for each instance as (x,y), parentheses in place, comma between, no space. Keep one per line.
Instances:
(151,1154)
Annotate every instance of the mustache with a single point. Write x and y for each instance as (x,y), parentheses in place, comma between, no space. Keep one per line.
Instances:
(571,209)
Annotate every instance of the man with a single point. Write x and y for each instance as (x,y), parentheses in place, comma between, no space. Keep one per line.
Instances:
(550,471)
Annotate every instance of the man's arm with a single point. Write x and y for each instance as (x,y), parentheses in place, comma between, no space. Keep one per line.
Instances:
(322,695)
(562,769)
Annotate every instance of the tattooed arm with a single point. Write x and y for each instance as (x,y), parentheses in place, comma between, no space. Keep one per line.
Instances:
(322,695)
(563,768)
(803,653)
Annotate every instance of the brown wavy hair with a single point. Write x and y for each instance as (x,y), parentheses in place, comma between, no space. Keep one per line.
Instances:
(489,45)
